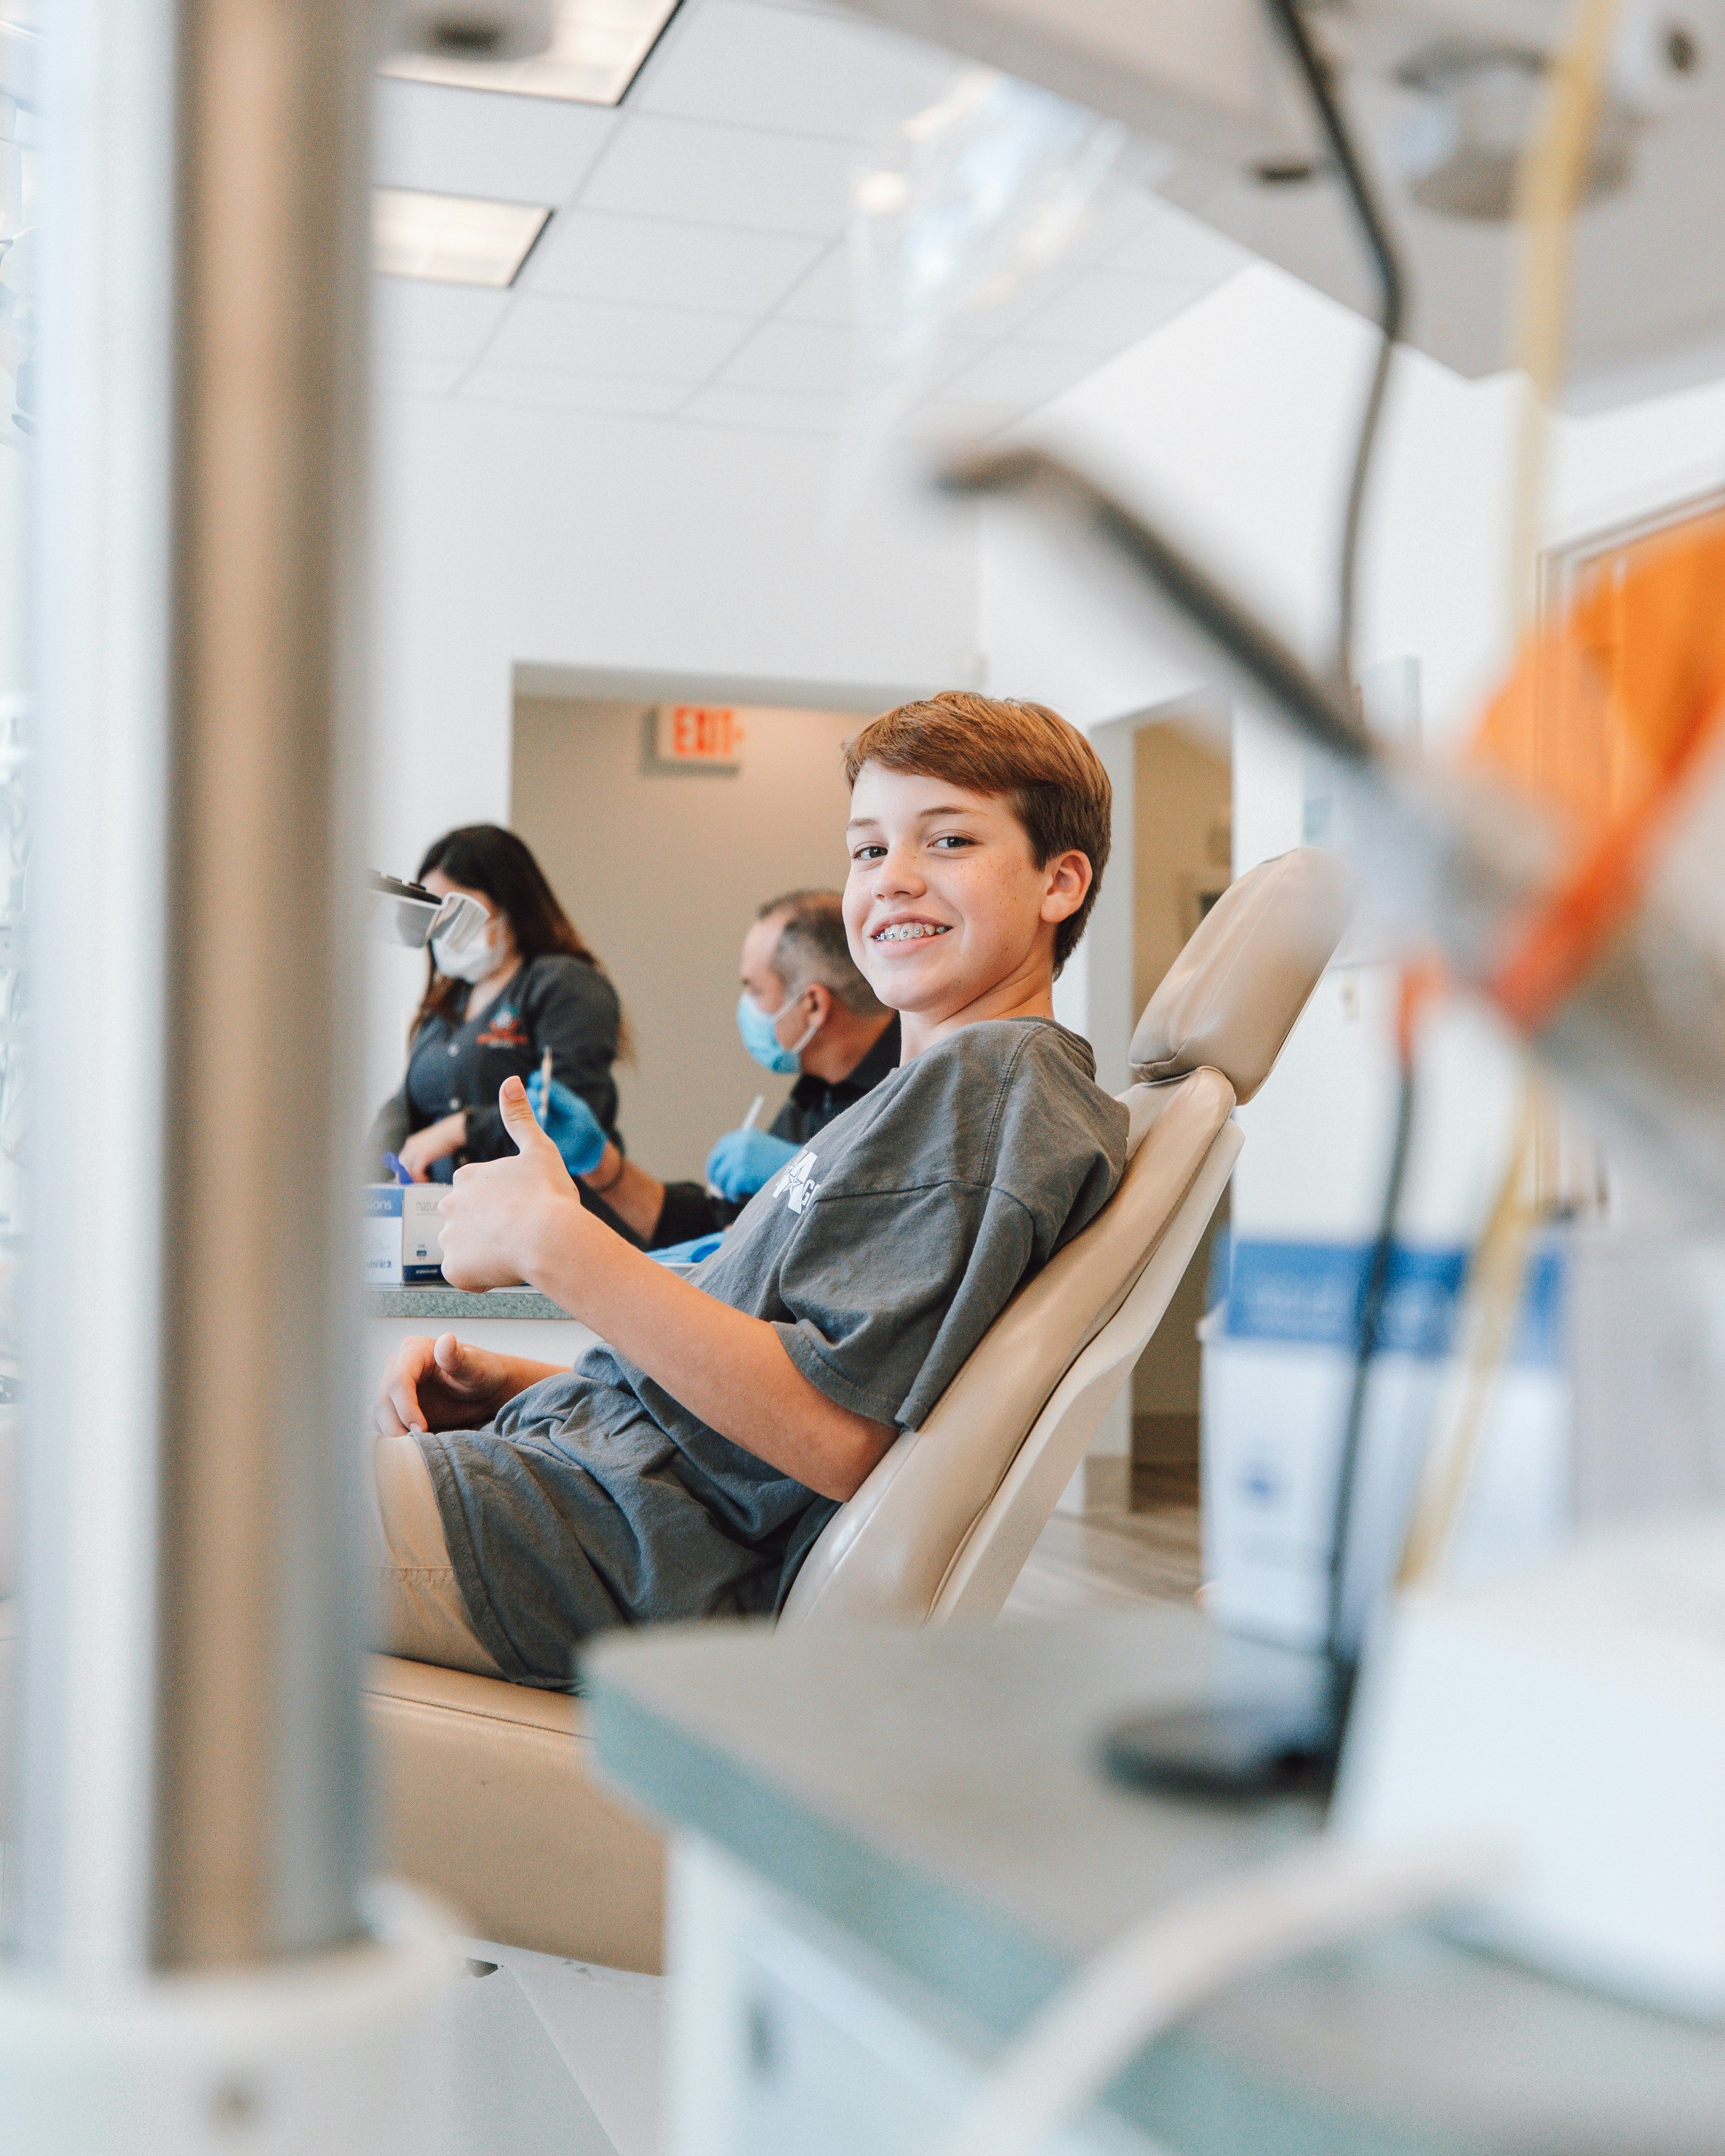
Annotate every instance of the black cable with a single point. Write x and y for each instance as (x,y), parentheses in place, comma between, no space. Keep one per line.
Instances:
(1340,1655)
(1392,305)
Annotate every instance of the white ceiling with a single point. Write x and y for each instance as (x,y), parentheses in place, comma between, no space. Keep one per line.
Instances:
(694,266)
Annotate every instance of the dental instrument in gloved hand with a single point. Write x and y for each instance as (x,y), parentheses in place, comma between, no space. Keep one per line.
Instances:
(743,1161)
(568,1121)
(748,1123)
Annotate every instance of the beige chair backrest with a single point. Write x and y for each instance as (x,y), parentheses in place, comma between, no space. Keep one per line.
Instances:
(1230,999)
(944,1523)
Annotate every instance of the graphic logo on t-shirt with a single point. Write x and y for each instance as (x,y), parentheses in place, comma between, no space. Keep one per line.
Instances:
(797,1186)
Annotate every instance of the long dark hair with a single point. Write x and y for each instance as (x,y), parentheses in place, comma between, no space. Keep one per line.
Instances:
(484,857)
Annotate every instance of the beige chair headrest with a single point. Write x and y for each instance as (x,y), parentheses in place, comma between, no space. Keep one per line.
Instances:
(1230,999)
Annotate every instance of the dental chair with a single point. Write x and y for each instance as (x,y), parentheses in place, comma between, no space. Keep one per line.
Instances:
(488,1792)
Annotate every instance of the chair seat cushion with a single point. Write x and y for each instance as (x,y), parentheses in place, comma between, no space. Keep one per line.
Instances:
(487,1799)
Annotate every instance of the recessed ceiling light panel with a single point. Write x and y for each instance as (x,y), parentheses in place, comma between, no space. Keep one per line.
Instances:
(596,53)
(452,240)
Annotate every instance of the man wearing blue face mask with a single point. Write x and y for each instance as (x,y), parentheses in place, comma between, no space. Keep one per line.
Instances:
(805,1007)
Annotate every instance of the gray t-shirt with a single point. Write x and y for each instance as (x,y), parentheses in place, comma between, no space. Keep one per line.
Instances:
(881,1256)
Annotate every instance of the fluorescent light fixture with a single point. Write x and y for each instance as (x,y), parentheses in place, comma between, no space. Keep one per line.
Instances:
(595,55)
(452,240)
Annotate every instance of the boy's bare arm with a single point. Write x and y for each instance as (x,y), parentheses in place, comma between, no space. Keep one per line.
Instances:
(506,1220)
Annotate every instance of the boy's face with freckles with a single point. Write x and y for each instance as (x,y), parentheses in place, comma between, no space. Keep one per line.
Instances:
(947,913)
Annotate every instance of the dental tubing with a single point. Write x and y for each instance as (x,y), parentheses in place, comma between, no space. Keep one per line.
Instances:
(1173,1960)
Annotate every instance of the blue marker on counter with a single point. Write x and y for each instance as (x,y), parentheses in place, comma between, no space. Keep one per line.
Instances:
(396,1169)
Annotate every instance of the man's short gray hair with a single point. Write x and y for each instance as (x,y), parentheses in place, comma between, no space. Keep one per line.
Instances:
(812,947)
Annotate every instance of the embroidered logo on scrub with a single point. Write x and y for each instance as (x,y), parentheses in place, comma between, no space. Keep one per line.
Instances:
(505,1031)
(797,1186)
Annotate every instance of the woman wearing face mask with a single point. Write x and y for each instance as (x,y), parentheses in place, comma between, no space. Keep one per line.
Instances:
(490,1011)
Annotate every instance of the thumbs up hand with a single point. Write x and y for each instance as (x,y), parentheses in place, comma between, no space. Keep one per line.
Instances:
(502,1217)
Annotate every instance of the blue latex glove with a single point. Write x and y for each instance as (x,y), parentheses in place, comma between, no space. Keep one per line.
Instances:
(569,1123)
(743,1160)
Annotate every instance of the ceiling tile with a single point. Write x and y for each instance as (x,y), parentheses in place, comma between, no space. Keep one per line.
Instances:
(452,323)
(466,142)
(400,375)
(726,404)
(994,318)
(689,170)
(585,392)
(1019,376)
(589,255)
(1103,311)
(763,67)
(958,351)
(598,337)
(1116,211)
(1169,244)
(824,294)
(809,356)
(943,419)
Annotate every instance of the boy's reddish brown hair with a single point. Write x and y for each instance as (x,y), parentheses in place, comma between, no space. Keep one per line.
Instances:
(1025,754)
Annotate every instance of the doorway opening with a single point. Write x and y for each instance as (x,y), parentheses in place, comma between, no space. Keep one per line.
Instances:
(1182,841)
(662,859)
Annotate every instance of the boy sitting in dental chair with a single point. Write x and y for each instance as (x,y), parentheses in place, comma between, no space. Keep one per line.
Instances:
(686,1469)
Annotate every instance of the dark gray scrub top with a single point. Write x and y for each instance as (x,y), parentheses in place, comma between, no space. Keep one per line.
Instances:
(881,1256)
(553,1002)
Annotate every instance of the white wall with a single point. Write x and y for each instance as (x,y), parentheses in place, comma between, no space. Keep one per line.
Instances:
(512,537)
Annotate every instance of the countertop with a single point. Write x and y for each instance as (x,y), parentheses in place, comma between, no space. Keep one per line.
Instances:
(451,1303)
(935,1793)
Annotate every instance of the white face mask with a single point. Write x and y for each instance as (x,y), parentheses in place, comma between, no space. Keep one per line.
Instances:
(473,961)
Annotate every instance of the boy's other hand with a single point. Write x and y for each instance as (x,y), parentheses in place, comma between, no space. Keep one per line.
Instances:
(501,1216)
(441,1384)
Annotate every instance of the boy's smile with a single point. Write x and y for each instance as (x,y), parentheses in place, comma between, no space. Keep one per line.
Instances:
(907,931)
(948,916)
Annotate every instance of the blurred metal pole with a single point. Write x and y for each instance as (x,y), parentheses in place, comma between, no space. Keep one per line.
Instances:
(192,1789)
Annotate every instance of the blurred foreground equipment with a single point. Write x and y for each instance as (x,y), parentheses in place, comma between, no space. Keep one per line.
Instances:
(1443,95)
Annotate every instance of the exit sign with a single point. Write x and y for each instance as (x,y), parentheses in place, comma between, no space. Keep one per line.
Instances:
(708,734)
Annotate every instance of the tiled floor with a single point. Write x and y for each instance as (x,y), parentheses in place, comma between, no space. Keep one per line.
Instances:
(608,2027)
(1109,1560)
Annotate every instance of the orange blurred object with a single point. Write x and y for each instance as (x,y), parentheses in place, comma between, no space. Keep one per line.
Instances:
(1608,715)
